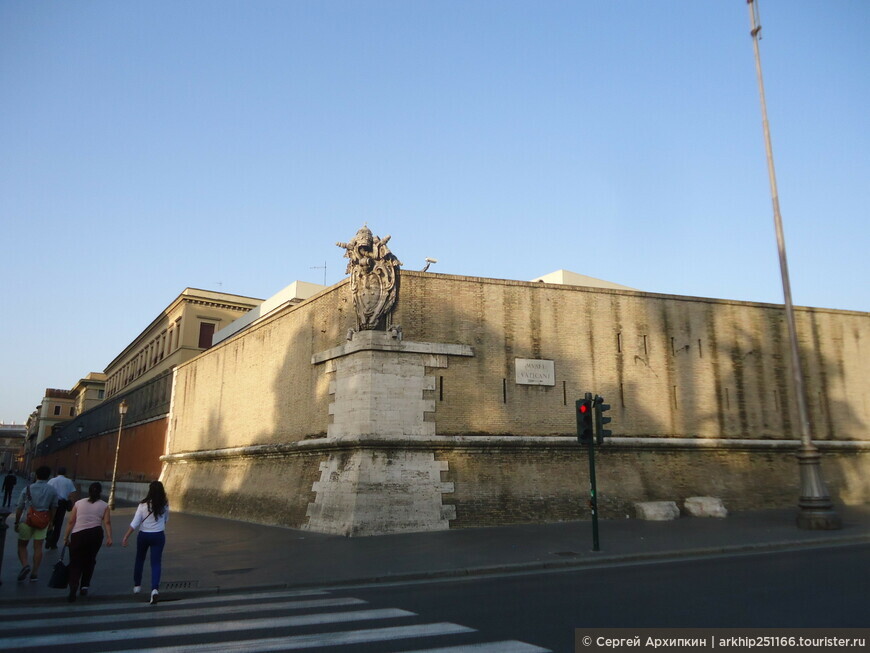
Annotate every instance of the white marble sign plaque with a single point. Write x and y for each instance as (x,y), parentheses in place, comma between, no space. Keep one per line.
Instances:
(535,372)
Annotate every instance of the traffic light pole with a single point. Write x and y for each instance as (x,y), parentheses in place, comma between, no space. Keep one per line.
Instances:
(586,414)
(593,495)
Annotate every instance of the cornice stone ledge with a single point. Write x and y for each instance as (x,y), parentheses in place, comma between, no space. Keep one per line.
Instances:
(388,341)
(495,441)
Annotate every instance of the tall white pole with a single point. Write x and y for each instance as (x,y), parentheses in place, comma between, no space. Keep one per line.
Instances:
(816,510)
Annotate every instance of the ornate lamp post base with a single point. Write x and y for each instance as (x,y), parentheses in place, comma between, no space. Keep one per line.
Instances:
(816,511)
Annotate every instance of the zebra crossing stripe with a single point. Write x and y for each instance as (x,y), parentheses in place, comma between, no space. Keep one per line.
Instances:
(82,607)
(511,646)
(128,634)
(189,612)
(315,640)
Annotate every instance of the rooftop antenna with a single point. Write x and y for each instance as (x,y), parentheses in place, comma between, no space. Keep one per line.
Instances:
(320,267)
(429,261)
(816,511)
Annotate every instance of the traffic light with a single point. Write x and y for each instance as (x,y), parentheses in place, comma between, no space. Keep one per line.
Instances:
(599,408)
(584,418)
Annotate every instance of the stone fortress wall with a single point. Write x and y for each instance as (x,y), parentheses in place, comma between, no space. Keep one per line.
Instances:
(280,423)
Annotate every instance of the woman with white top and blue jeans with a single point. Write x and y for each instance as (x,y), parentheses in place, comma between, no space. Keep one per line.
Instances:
(150,518)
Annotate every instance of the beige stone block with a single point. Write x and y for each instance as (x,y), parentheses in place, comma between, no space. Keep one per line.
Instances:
(657,510)
(705,507)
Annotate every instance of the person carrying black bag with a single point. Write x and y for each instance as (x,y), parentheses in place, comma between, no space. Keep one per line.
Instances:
(66,496)
(84,536)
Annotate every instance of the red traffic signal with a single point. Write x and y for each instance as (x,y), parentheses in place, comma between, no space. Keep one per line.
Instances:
(584,419)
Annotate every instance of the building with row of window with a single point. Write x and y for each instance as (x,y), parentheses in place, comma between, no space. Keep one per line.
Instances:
(181,331)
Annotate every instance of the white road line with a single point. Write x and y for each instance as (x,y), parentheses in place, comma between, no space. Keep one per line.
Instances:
(127,634)
(188,612)
(316,640)
(82,606)
(511,646)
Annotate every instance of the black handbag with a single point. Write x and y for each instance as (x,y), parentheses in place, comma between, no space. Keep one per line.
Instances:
(60,576)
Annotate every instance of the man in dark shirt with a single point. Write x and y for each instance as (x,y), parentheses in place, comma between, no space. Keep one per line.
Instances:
(8,485)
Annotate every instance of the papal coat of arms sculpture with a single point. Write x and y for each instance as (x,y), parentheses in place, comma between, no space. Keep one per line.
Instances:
(374,279)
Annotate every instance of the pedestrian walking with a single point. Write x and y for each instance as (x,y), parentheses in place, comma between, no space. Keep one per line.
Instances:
(150,518)
(37,504)
(67,494)
(84,536)
(8,485)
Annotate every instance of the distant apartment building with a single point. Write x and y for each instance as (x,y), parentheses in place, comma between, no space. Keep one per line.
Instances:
(12,438)
(89,391)
(183,330)
(57,406)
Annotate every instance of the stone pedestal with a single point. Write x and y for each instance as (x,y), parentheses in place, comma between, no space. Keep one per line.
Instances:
(384,400)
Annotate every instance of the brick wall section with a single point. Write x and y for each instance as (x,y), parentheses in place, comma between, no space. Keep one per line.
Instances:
(669,366)
(502,484)
(267,490)
(544,485)
(260,387)
(93,458)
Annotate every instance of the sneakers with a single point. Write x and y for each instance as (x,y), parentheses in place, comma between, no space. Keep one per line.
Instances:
(154,595)
(137,589)
(83,591)
(33,578)
(23,573)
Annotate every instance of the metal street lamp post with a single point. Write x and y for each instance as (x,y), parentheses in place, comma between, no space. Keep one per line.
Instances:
(816,511)
(122,410)
(80,428)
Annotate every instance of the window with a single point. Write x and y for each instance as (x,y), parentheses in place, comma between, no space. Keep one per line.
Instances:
(206,331)
(57,410)
(101,394)
(72,412)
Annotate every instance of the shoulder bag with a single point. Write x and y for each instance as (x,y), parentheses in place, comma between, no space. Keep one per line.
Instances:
(37,519)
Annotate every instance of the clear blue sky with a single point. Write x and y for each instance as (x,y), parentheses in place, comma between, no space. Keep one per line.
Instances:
(150,146)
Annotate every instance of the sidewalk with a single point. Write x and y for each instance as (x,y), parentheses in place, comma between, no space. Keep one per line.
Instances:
(211,555)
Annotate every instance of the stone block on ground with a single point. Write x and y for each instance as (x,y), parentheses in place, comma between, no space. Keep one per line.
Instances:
(705,507)
(657,510)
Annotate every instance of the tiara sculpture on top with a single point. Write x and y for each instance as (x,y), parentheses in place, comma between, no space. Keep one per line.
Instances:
(374,279)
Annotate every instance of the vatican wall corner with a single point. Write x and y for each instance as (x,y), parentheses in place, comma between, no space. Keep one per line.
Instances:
(259,386)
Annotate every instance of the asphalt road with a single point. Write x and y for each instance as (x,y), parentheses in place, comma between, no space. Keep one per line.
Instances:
(814,588)
(519,613)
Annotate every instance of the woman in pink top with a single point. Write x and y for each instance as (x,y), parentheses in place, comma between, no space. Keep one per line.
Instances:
(84,536)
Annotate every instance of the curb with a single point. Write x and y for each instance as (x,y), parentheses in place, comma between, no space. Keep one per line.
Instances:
(470,572)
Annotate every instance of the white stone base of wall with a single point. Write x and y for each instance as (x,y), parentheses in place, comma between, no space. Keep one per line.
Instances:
(489,480)
(376,492)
